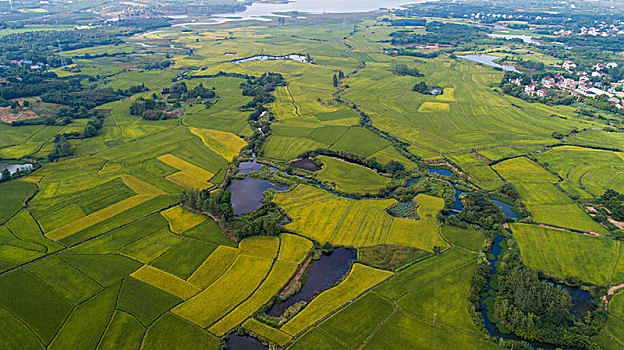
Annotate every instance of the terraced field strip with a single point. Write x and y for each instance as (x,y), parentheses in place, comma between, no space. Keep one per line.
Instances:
(214,266)
(293,250)
(360,279)
(232,288)
(190,175)
(267,332)
(165,281)
(140,186)
(97,217)
(276,280)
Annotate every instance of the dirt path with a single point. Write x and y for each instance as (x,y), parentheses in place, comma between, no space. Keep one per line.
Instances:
(296,278)
(595,234)
(225,232)
(292,99)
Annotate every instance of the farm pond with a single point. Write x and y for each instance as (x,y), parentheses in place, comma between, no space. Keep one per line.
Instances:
(248,193)
(322,274)
(243,342)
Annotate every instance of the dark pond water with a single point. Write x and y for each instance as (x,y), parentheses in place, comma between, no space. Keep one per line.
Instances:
(237,342)
(506,208)
(580,299)
(247,194)
(306,164)
(443,172)
(457,205)
(410,182)
(323,274)
(250,166)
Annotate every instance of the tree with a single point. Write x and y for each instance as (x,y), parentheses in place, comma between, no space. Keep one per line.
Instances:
(6,175)
(421,87)
(335,81)
(437,249)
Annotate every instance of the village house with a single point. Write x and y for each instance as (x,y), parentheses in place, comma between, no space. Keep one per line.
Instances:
(568,65)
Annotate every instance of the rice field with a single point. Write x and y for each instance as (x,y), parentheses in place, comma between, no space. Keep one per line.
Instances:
(181,219)
(351,178)
(561,253)
(359,222)
(95,253)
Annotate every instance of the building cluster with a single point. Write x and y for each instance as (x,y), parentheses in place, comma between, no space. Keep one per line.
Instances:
(25,63)
(600,29)
(584,84)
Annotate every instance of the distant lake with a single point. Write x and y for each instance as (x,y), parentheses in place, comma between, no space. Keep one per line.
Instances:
(527,39)
(260,9)
(488,60)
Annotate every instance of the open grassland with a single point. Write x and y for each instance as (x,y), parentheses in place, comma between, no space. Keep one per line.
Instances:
(181,219)
(360,279)
(351,178)
(359,222)
(561,253)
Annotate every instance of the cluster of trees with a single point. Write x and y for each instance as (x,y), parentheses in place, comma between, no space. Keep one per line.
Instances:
(38,46)
(218,203)
(404,69)
(421,87)
(613,201)
(65,91)
(528,64)
(535,309)
(260,88)
(441,33)
(406,22)
(262,222)
(338,77)
(148,108)
(479,209)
